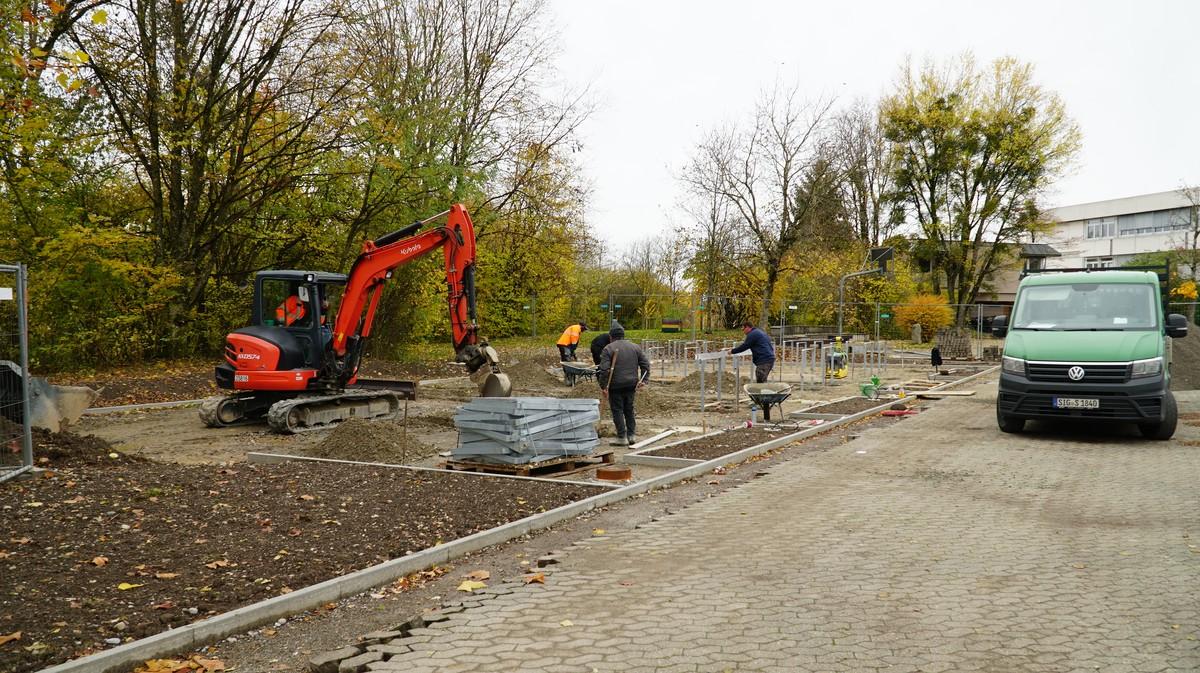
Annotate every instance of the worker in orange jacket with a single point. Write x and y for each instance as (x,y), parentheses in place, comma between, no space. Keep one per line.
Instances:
(569,341)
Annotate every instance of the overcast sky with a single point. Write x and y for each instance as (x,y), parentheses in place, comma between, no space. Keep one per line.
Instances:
(662,73)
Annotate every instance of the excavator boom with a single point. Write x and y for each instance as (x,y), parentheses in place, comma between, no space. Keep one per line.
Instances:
(282,371)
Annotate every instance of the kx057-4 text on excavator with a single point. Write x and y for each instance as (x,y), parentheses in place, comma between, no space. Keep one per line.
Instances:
(300,373)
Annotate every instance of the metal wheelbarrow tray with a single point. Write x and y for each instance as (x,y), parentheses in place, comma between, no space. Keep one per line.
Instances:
(577,371)
(766,395)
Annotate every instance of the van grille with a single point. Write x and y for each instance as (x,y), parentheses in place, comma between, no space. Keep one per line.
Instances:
(1092,372)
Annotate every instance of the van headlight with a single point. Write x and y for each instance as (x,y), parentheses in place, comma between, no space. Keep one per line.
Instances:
(1142,368)
(1012,365)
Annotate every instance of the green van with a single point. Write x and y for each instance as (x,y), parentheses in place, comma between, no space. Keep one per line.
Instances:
(1090,345)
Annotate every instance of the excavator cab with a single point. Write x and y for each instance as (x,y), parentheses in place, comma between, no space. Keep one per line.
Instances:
(300,303)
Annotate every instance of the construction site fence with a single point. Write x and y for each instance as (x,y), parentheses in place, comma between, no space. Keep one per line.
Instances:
(1189,309)
(16,440)
(863,322)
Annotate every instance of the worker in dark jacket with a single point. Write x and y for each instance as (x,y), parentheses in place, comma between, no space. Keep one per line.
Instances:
(600,342)
(624,368)
(762,351)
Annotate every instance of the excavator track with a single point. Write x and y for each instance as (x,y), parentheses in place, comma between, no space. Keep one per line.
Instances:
(222,411)
(319,412)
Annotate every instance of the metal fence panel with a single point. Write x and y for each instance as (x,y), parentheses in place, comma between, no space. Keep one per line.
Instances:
(16,441)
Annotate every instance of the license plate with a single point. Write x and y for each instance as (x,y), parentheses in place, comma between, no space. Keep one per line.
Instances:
(1076,403)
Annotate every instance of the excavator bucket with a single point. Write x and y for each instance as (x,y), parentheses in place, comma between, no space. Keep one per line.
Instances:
(51,407)
(495,384)
(491,382)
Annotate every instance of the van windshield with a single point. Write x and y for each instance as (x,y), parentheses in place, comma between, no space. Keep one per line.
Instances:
(1086,306)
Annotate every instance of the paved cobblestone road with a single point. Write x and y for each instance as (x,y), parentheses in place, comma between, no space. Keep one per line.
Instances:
(935,544)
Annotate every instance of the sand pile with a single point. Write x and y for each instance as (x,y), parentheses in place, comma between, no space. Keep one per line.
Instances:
(1185,360)
(371,441)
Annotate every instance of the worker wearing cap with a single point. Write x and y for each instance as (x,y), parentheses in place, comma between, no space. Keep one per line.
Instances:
(624,369)
(569,341)
(598,344)
(762,351)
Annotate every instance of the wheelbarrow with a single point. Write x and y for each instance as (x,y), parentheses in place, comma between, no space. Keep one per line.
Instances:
(766,395)
(574,372)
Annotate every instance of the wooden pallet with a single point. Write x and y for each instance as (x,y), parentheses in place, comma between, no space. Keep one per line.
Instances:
(550,466)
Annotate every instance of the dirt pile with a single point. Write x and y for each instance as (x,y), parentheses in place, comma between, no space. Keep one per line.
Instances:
(67,449)
(530,374)
(691,382)
(651,400)
(1185,360)
(373,442)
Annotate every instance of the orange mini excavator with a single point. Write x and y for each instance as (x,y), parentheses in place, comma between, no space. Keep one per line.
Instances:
(299,372)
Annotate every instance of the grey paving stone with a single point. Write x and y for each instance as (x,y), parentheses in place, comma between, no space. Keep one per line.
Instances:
(944,545)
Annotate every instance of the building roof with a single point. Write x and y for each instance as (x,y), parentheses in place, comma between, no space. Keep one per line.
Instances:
(1144,203)
(1038,250)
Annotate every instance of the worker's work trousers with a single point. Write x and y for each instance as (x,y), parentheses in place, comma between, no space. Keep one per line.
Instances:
(762,371)
(567,353)
(621,402)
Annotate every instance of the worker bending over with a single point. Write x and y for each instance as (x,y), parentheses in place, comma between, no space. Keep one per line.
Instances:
(569,341)
(762,351)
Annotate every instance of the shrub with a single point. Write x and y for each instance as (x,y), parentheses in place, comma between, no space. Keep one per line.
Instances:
(928,310)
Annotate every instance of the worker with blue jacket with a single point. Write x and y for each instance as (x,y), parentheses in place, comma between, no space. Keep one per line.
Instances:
(762,351)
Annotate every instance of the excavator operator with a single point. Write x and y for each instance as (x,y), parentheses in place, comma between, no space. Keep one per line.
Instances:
(291,310)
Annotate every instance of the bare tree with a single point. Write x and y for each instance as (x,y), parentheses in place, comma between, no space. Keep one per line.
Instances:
(866,167)
(758,172)
(459,85)
(217,103)
(1191,235)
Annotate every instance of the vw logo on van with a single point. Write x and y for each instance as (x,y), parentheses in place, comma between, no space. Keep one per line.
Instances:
(1075,373)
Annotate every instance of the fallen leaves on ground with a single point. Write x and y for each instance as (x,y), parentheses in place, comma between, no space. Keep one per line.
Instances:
(478,575)
(566,622)
(196,664)
(539,578)
(126,586)
(471,585)
(597,531)
(15,635)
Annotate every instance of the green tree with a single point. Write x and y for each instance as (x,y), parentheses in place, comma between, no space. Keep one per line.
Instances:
(973,152)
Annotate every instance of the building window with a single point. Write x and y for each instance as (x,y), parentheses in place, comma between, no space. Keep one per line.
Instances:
(1104,227)
(1099,262)
(1156,222)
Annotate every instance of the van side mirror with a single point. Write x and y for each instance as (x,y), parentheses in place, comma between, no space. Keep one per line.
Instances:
(1177,326)
(1000,326)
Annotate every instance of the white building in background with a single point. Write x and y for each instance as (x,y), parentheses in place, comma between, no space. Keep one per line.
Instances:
(1107,234)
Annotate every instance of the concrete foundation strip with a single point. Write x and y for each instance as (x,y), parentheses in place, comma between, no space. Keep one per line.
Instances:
(647,442)
(268,458)
(192,636)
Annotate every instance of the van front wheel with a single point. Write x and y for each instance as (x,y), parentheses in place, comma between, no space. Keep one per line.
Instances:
(1008,423)
(1165,429)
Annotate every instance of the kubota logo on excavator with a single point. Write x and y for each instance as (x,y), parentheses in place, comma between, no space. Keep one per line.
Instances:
(410,249)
